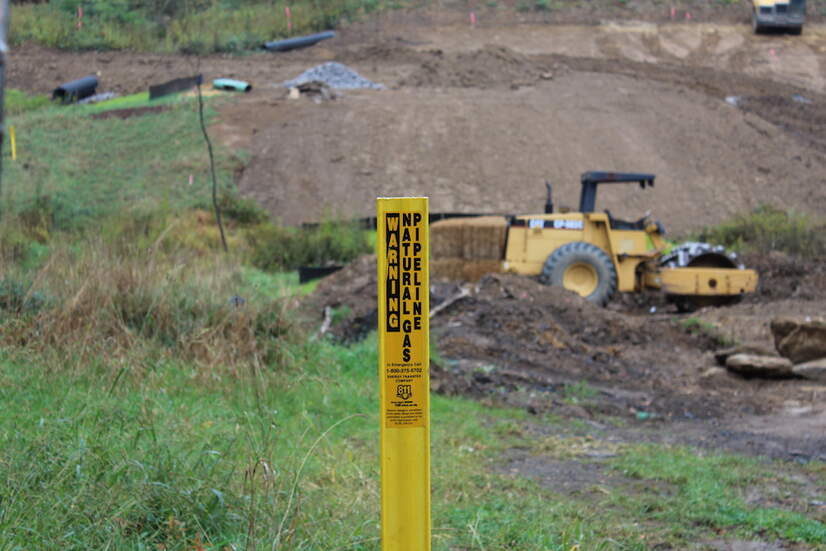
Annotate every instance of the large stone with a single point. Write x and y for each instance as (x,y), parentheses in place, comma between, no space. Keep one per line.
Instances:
(800,340)
(781,327)
(814,370)
(753,365)
(720,356)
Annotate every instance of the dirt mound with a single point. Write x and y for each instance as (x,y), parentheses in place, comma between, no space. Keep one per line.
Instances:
(351,294)
(511,340)
(489,67)
(785,277)
(381,53)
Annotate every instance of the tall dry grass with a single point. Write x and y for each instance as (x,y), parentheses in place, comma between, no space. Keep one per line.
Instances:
(111,300)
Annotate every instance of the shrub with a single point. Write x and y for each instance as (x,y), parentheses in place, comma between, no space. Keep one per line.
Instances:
(119,299)
(16,297)
(769,228)
(281,248)
(241,209)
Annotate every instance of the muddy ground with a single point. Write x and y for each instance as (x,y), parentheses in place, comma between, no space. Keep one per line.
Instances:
(516,342)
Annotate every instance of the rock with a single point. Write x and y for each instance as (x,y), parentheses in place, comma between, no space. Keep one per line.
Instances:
(800,340)
(814,370)
(720,356)
(715,373)
(759,366)
(717,377)
(781,327)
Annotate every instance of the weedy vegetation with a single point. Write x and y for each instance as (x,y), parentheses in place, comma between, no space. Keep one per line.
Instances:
(186,26)
(769,228)
(710,331)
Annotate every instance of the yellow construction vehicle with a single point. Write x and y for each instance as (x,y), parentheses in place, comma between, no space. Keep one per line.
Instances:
(595,254)
(778,14)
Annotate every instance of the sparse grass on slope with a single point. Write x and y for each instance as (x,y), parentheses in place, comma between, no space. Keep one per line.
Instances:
(711,492)
(77,169)
(86,170)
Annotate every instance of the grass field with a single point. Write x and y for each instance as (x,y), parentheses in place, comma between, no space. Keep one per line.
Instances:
(85,168)
(157,456)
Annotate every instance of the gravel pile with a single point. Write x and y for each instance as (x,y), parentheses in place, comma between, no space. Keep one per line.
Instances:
(334,75)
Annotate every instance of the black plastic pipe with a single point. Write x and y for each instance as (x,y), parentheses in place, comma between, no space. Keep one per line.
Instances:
(297,42)
(76,90)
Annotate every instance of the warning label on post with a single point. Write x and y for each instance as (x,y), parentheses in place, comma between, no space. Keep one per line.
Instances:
(403,276)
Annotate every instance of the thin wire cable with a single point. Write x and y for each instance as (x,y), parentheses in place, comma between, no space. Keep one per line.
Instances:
(211,170)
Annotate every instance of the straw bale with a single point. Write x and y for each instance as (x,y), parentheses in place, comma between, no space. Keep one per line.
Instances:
(460,269)
(481,238)
(446,240)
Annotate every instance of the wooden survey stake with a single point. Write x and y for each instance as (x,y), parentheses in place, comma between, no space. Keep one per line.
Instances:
(403,249)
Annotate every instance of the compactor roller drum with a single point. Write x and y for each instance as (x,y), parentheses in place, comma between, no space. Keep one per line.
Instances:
(700,255)
(583,268)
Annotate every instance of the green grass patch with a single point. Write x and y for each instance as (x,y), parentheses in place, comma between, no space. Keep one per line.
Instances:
(18,102)
(710,490)
(159,456)
(140,99)
(696,326)
(72,170)
(150,451)
(275,285)
(579,392)
(139,177)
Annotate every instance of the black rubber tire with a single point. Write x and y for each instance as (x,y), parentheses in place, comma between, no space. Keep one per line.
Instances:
(580,252)
(796,30)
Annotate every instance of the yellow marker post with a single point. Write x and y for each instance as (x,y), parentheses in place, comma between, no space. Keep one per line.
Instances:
(403,249)
(13,144)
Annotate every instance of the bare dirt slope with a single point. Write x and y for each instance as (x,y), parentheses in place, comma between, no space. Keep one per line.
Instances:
(477,118)
(489,150)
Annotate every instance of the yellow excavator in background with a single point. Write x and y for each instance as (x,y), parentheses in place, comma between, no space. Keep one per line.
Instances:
(593,253)
(778,14)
